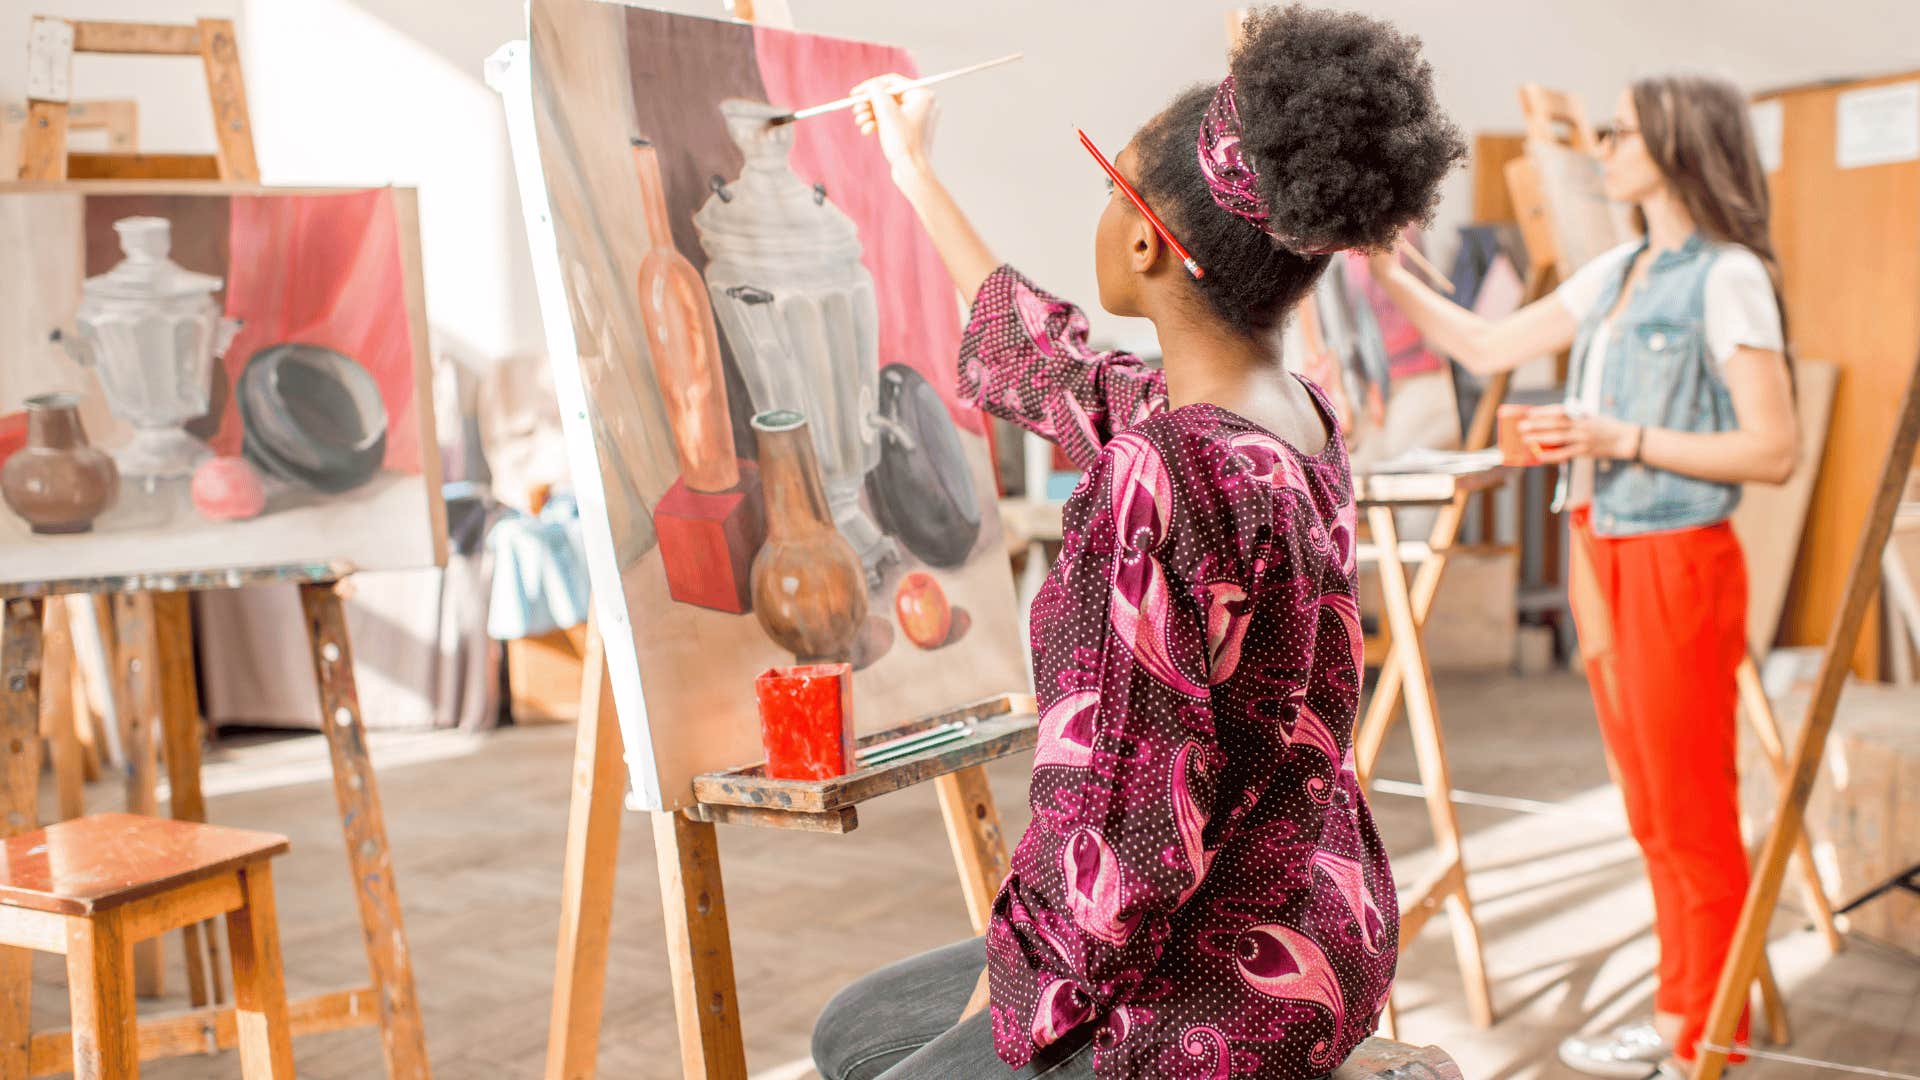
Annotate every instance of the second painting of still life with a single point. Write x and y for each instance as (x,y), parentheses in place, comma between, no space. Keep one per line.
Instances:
(766,344)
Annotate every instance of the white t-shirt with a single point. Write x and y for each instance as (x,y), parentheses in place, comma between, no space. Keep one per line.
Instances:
(1740,311)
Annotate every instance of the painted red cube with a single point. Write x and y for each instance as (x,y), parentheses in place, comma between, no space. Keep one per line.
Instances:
(806,720)
(708,541)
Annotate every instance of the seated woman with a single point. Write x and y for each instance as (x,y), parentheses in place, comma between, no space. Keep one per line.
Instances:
(1201,891)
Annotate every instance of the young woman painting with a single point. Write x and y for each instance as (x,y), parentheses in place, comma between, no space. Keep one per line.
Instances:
(1202,891)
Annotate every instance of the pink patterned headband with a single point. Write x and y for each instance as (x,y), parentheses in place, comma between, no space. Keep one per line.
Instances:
(1230,175)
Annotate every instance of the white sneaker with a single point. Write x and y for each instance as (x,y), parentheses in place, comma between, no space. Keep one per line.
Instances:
(1629,1052)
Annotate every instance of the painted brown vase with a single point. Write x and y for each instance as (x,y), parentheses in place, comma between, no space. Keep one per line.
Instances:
(683,342)
(809,590)
(58,482)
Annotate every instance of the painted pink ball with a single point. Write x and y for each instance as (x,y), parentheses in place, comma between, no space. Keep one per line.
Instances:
(228,489)
(925,616)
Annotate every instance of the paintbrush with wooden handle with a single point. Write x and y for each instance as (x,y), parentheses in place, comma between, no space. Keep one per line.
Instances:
(850,102)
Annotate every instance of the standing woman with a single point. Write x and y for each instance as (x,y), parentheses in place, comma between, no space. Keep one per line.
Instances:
(1679,393)
(1201,891)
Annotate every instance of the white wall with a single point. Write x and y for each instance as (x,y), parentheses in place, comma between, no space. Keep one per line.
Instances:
(360,91)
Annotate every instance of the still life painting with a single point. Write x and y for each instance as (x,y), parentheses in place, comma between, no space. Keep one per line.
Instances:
(765,343)
(196,378)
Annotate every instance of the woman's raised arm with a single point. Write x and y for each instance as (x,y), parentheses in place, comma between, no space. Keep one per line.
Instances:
(904,122)
(1481,345)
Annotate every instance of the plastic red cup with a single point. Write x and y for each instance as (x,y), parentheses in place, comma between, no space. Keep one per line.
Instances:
(806,720)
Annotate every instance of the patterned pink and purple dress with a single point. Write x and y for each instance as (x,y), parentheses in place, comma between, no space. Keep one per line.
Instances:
(1202,882)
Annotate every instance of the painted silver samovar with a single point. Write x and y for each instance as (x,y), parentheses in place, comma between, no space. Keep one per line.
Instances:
(798,309)
(152,330)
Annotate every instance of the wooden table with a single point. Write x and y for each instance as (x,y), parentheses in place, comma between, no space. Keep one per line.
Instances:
(1407,674)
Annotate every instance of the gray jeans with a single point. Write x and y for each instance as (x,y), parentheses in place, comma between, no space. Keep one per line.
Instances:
(897,1024)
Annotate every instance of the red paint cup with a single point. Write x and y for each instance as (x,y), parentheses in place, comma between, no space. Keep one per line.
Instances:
(806,720)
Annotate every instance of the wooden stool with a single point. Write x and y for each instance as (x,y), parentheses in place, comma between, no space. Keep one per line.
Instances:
(91,887)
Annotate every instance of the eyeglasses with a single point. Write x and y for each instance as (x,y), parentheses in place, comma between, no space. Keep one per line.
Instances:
(1141,205)
(1609,135)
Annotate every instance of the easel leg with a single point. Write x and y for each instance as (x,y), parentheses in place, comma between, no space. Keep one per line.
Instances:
(365,827)
(586,890)
(1766,727)
(19,791)
(1430,750)
(137,651)
(1773,1010)
(979,847)
(180,728)
(58,708)
(699,949)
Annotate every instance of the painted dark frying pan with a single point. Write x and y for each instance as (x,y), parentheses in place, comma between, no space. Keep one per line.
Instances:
(922,490)
(311,416)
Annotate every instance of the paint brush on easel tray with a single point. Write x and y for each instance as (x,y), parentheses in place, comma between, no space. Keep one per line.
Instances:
(894,749)
(849,102)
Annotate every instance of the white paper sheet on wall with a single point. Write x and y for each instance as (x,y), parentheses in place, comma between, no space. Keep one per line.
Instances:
(1878,125)
(1768,119)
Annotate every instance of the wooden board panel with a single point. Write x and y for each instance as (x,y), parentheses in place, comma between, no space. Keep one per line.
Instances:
(162,39)
(1849,247)
(110,166)
(1491,152)
(1772,518)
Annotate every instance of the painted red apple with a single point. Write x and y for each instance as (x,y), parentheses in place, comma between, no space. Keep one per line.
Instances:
(228,489)
(921,605)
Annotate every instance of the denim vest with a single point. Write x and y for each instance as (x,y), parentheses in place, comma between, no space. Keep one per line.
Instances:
(1658,374)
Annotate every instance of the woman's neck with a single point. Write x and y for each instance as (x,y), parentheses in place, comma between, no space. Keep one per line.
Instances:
(1668,222)
(1205,361)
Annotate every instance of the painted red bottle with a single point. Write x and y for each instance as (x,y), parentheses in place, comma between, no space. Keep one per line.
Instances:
(683,343)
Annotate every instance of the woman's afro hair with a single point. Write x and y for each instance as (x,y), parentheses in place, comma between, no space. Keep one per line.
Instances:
(1339,120)
(1339,117)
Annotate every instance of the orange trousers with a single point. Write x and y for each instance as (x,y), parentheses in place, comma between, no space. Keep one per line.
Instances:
(1667,616)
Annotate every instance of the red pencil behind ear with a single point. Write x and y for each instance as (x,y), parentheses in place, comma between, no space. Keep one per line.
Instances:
(1140,204)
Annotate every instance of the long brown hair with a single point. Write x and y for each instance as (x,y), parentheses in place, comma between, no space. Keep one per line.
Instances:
(1697,131)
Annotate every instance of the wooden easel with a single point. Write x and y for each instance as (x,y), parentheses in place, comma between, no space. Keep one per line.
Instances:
(1746,959)
(153,650)
(164,621)
(1406,671)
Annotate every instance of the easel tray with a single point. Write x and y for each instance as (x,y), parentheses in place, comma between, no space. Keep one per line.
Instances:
(999,726)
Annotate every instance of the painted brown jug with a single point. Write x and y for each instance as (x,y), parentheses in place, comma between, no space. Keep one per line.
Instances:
(58,482)
(809,590)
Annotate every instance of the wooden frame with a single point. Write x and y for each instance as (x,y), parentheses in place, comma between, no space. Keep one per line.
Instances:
(1746,955)
(51,45)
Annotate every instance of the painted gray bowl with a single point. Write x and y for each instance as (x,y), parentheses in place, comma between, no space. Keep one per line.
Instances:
(312,416)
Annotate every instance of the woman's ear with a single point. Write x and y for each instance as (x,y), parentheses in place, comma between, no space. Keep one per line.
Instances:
(1143,245)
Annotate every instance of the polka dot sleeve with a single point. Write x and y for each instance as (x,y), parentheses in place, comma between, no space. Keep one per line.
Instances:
(1024,357)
